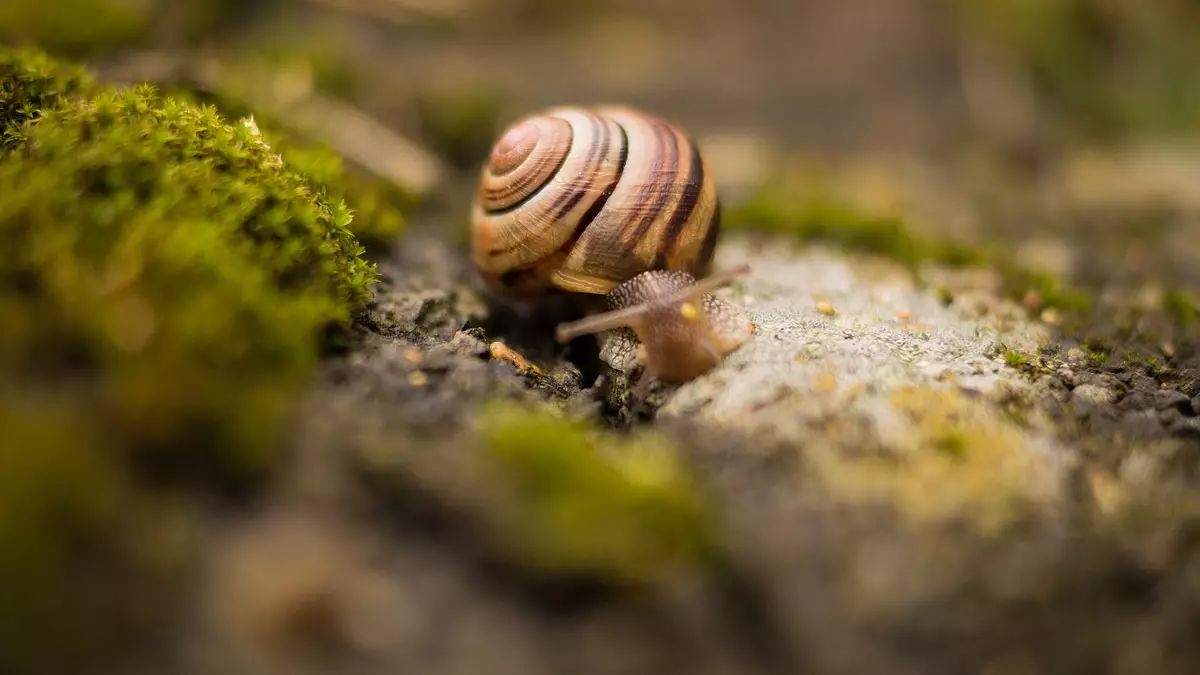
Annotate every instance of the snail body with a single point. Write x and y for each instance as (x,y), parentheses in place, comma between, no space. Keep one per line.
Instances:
(582,199)
(683,330)
(610,202)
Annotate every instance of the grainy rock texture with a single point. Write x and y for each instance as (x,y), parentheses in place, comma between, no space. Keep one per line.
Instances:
(879,502)
(838,336)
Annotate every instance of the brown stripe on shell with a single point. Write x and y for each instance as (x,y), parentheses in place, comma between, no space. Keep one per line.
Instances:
(575,190)
(703,260)
(606,253)
(662,185)
(685,209)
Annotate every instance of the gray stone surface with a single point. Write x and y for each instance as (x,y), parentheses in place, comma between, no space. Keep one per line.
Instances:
(838,337)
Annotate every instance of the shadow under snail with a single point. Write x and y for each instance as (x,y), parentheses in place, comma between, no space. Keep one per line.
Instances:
(610,201)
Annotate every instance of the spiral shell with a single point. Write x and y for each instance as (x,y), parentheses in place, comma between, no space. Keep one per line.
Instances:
(583,199)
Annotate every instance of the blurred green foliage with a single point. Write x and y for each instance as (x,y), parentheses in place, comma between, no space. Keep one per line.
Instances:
(84,27)
(167,283)
(1110,66)
(782,208)
(75,26)
(593,503)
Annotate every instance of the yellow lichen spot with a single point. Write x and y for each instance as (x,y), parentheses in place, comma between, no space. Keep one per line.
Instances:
(412,355)
(903,316)
(502,352)
(953,458)
(418,379)
(825,308)
(1106,490)
(826,383)
(689,311)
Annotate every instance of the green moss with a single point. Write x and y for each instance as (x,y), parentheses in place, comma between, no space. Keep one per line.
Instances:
(379,208)
(82,551)
(595,503)
(166,284)
(171,259)
(819,218)
(1015,358)
(1182,307)
(30,82)
(808,216)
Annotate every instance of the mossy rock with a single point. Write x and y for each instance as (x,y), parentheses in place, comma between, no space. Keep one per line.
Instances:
(380,208)
(172,259)
(167,283)
(592,504)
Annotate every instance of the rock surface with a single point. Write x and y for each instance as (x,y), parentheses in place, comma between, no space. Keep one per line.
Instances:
(892,496)
(838,336)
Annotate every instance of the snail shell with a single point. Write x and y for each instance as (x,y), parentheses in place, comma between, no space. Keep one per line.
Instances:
(583,199)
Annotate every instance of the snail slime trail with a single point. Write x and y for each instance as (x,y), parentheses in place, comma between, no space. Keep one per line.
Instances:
(606,205)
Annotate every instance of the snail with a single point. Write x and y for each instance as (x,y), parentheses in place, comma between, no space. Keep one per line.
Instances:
(683,330)
(612,202)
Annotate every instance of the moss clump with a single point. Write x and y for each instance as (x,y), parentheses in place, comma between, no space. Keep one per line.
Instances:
(31,82)
(805,216)
(820,218)
(379,208)
(166,283)
(1015,358)
(595,504)
(172,261)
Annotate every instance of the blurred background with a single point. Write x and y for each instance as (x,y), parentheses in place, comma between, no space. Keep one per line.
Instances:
(1027,122)
(1011,81)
